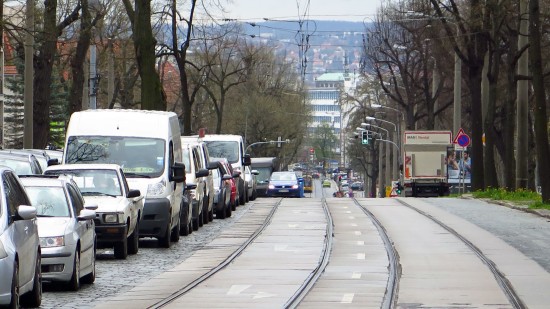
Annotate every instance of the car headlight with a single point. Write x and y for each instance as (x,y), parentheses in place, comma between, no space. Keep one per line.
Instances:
(113,218)
(295,186)
(271,187)
(49,242)
(3,253)
(156,189)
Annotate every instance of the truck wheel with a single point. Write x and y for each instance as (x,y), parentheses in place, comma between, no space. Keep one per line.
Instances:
(133,240)
(121,249)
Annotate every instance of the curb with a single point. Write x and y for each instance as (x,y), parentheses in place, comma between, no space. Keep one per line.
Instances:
(540,212)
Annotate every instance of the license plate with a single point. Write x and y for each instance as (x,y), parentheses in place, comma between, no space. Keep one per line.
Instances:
(283,190)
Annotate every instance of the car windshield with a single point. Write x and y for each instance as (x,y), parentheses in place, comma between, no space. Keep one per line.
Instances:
(224,149)
(283,176)
(49,201)
(264,173)
(93,182)
(137,156)
(18,166)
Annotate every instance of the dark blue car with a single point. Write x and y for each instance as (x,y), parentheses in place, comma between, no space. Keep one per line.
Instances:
(283,184)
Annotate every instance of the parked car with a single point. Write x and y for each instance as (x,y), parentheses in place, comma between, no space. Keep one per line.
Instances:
(250,178)
(193,175)
(204,163)
(66,229)
(283,184)
(21,278)
(233,181)
(326,183)
(41,155)
(21,163)
(119,209)
(223,183)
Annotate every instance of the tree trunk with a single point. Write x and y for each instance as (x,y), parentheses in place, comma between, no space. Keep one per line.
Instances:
(79,59)
(509,125)
(474,83)
(489,125)
(43,76)
(152,94)
(541,119)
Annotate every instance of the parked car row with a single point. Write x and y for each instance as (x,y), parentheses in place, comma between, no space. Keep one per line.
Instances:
(132,177)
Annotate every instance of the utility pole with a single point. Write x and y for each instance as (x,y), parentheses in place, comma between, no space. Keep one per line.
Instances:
(457,104)
(522,134)
(29,77)
(94,80)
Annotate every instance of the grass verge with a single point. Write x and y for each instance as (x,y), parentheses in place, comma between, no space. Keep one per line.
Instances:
(522,197)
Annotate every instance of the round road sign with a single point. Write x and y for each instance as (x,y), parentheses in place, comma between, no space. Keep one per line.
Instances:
(463,140)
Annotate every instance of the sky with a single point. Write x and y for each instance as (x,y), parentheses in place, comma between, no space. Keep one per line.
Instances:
(346,10)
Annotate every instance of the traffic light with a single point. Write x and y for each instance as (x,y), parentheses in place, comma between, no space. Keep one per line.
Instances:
(365,137)
(398,188)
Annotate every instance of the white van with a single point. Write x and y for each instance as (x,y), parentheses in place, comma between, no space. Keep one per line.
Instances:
(147,145)
(230,147)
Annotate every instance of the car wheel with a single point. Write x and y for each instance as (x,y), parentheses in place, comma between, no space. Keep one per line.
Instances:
(211,214)
(242,197)
(233,205)
(90,278)
(221,213)
(228,210)
(175,235)
(185,226)
(121,249)
(74,283)
(205,211)
(196,223)
(190,227)
(14,302)
(133,241)
(164,241)
(34,297)
(246,197)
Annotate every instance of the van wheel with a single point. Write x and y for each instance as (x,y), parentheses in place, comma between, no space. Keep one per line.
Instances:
(164,241)
(185,224)
(133,241)
(34,297)
(211,214)
(246,197)
(196,223)
(175,236)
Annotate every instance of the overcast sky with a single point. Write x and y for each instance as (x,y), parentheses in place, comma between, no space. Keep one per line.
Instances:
(349,10)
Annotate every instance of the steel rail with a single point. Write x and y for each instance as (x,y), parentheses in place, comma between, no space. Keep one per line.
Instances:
(392,286)
(310,281)
(504,283)
(222,265)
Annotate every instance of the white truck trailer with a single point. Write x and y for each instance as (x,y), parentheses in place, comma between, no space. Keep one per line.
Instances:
(424,168)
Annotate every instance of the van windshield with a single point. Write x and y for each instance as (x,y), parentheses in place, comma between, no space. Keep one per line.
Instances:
(136,155)
(224,149)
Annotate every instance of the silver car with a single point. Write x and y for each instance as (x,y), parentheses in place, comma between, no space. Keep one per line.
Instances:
(66,230)
(20,277)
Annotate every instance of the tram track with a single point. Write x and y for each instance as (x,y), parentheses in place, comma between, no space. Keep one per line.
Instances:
(166,301)
(500,278)
(394,268)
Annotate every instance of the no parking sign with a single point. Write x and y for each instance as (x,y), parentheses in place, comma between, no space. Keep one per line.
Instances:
(462,139)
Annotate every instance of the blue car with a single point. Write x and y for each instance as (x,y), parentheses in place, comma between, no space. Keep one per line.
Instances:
(283,184)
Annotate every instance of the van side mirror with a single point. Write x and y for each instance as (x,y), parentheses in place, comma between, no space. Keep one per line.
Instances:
(53,162)
(177,172)
(212,165)
(246,160)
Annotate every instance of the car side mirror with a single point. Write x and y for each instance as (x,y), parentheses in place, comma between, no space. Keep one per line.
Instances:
(91,207)
(212,165)
(25,212)
(53,162)
(202,173)
(177,172)
(133,193)
(255,172)
(227,177)
(86,214)
(246,160)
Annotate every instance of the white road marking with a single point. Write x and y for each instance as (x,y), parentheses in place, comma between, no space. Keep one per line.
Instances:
(361,256)
(237,289)
(263,295)
(360,243)
(348,212)
(358,233)
(351,217)
(354,224)
(347,298)
(280,247)
(356,276)
(292,226)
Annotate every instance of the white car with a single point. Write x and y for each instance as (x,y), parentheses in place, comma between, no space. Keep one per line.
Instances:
(66,230)
(119,209)
(19,245)
(250,178)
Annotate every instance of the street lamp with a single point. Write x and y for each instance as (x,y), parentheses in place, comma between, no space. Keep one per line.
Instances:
(399,138)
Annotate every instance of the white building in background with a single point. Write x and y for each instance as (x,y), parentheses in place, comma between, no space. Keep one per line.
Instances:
(328,105)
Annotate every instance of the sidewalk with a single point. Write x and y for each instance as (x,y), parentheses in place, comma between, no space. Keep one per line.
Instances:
(540,212)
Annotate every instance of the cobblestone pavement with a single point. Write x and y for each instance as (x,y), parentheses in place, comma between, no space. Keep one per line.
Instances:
(117,276)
